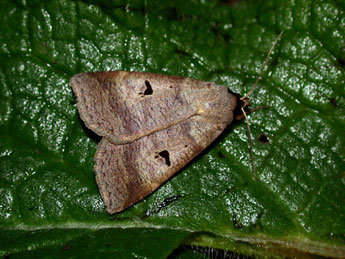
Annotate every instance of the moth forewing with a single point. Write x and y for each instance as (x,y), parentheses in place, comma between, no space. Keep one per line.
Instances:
(124,106)
(127,173)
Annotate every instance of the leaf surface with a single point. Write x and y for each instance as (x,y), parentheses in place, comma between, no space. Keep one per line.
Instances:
(49,201)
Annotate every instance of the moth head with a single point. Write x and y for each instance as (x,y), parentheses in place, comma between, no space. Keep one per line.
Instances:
(245,102)
(242,105)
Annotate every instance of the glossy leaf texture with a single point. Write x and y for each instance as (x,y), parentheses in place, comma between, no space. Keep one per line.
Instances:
(294,205)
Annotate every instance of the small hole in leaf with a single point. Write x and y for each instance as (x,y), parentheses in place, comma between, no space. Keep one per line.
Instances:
(333,101)
(166,156)
(148,90)
(263,139)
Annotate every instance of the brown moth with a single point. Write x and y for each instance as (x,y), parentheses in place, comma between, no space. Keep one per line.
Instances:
(152,125)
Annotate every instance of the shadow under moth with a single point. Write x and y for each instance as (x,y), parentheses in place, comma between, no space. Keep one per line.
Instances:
(151,125)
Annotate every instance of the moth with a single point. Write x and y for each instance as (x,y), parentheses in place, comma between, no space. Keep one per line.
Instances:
(151,125)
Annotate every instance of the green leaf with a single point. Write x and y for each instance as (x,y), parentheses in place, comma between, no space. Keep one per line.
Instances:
(294,206)
(73,242)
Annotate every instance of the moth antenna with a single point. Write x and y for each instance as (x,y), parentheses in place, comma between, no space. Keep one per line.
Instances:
(263,66)
(251,141)
(246,100)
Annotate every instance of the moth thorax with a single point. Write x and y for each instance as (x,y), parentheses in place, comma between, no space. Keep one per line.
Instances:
(218,107)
